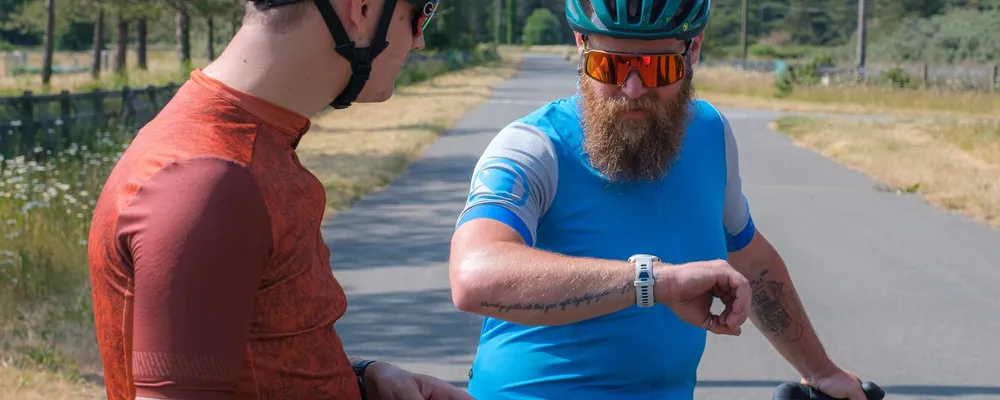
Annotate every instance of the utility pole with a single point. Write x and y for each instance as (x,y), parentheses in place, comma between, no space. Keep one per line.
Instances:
(862,37)
(743,32)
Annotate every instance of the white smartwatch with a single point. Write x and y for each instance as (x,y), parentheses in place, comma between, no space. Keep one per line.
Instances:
(644,278)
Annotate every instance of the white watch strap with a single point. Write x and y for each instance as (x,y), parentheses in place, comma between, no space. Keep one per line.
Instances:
(644,279)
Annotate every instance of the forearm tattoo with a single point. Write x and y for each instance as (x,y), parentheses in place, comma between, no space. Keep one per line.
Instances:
(572,301)
(777,310)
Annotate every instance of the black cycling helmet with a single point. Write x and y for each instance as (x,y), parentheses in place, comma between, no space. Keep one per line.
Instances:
(361,58)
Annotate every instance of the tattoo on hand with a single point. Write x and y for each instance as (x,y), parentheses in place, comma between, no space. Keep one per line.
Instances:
(575,301)
(774,307)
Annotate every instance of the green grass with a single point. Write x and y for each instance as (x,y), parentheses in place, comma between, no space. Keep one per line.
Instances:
(45,208)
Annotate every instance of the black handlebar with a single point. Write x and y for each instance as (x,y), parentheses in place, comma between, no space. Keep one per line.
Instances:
(798,391)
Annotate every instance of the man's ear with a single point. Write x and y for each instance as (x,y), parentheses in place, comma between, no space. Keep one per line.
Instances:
(695,51)
(355,15)
(579,43)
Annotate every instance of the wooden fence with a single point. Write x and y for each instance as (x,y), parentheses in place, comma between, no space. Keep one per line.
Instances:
(32,123)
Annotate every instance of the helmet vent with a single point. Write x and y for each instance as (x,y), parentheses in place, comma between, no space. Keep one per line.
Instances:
(701,14)
(634,11)
(612,6)
(658,7)
(682,13)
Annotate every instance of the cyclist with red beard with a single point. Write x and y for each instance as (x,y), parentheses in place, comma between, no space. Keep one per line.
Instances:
(599,228)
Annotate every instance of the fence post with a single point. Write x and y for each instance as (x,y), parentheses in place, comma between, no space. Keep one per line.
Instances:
(995,80)
(27,122)
(171,90)
(99,116)
(926,75)
(151,92)
(65,109)
(125,112)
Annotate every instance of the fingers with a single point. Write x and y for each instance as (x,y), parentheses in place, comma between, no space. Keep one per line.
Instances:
(450,392)
(738,299)
(715,326)
(460,395)
(436,389)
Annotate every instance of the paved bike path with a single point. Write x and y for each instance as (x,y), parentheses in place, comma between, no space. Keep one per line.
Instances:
(900,292)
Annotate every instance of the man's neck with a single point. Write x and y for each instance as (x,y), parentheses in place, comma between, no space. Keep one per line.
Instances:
(294,70)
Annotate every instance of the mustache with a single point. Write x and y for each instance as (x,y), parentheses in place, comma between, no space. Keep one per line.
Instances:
(625,104)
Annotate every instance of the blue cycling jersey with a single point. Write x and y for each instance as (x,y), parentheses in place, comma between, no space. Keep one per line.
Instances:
(535,177)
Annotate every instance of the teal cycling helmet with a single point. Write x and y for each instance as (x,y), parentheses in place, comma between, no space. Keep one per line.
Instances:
(639,19)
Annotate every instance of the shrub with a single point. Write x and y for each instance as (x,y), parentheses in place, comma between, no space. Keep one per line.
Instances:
(542,27)
(897,78)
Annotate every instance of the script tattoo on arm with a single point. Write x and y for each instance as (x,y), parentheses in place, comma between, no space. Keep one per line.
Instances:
(562,305)
(777,309)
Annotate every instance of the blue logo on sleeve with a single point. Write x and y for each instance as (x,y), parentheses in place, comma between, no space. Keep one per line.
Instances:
(501,179)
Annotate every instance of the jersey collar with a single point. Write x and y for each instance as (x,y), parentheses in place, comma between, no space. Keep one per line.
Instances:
(290,123)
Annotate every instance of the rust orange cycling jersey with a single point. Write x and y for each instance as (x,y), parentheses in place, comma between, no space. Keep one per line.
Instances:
(210,276)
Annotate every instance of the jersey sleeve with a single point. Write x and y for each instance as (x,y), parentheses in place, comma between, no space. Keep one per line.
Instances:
(197,237)
(514,181)
(736,217)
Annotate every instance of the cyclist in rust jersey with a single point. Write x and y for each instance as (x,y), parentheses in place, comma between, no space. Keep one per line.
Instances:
(210,276)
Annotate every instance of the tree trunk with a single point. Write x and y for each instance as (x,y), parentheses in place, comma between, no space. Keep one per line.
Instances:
(122,45)
(95,64)
(141,38)
(182,33)
(210,40)
(474,25)
(50,23)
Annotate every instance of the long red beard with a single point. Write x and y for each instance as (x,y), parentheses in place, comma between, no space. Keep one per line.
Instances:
(634,148)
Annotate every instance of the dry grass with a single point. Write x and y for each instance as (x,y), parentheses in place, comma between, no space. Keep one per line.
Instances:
(736,88)
(954,166)
(358,150)
(164,67)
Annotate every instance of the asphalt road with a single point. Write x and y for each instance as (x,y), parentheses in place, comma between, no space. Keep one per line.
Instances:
(900,292)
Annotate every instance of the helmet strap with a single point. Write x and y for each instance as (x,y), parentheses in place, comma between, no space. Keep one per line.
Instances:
(361,58)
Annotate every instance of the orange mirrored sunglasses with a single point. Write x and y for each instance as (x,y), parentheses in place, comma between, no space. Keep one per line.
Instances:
(655,70)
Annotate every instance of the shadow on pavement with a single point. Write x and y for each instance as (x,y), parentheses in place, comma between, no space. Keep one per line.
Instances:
(911,390)
(417,327)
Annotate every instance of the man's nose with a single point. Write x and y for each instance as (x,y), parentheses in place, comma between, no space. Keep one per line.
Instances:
(633,86)
(418,43)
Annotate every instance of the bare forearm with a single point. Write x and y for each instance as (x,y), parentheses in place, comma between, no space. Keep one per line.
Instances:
(778,313)
(527,286)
